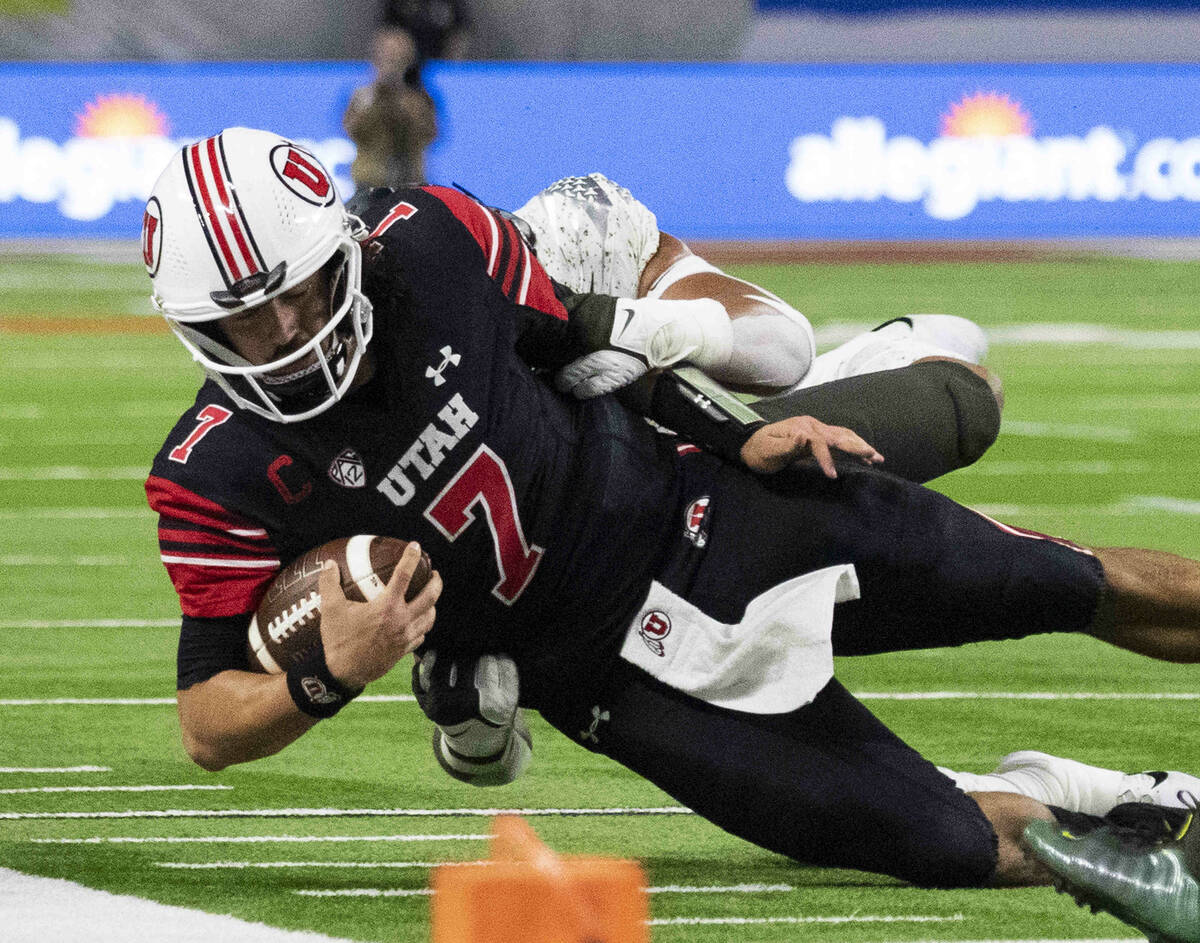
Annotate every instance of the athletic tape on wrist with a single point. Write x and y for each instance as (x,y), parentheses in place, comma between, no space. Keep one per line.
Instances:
(315,690)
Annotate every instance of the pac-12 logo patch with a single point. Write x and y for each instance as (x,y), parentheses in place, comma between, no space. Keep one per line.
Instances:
(694,519)
(655,626)
(348,470)
(302,174)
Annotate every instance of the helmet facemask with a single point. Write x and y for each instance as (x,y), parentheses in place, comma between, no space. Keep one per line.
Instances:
(307,389)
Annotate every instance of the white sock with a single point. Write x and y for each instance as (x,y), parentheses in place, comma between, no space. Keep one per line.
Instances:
(1053,780)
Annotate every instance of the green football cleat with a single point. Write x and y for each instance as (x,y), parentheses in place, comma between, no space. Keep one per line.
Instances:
(1145,880)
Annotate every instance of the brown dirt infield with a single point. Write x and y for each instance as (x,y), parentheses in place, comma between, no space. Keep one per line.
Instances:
(100,324)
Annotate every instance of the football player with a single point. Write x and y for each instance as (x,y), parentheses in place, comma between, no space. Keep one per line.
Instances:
(676,608)
(935,409)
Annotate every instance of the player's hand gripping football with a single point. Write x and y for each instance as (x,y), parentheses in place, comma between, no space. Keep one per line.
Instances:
(779,444)
(364,640)
(481,737)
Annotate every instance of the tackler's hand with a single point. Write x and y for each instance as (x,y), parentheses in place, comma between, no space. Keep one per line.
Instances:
(779,444)
(481,737)
(644,334)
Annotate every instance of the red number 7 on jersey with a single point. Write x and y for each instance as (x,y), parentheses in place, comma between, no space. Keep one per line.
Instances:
(210,417)
(484,480)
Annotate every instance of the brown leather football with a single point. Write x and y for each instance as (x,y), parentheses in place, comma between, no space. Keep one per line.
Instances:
(286,628)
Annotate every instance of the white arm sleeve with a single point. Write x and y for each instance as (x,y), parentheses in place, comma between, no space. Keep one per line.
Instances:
(764,350)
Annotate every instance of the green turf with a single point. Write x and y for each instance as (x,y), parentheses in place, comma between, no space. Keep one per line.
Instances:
(101,402)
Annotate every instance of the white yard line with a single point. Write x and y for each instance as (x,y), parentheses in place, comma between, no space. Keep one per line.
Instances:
(861,695)
(182,787)
(757,921)
(1024,696)
(160,701)
(89,623)
(75,514)
(44,560)
(55,769)
(85,701)
(247,839)
(1066,430)
(427,892)
(1053,467)
(324,865)
(73,473)
(38,909)
(343,813)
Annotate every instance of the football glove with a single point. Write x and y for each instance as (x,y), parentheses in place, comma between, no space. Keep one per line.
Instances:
(480,735)
(648,334)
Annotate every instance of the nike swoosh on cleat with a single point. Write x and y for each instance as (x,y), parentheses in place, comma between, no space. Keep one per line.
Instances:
(1160,777)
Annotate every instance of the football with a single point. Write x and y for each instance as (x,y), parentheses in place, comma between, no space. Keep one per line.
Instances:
(286,628)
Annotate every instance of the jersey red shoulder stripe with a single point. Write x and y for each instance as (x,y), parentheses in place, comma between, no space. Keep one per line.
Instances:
(222,563)
(509,261)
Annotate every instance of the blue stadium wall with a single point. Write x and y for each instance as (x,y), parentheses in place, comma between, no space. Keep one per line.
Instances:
(719,151)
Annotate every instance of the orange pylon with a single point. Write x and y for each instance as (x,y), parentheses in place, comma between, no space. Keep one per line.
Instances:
(526,893)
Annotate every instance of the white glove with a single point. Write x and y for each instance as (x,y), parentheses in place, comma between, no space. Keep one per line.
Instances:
(481,736)
(649,334)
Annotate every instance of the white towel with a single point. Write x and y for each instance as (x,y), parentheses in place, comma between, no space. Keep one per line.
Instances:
(775,660)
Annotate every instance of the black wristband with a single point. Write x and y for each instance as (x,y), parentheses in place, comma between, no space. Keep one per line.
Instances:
(717,422)
(315,691)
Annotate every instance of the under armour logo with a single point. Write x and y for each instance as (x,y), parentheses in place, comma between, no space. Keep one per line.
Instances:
(448,357)
(597,717)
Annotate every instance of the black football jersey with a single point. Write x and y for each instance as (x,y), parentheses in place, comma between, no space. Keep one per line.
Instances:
(544,515)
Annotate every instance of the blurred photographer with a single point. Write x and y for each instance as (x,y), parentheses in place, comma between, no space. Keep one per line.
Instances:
(392,120)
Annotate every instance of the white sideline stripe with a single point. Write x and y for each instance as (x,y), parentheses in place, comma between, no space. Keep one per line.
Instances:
(861,695)
(667,889)
(55,769)
(247,839)
(752,921)
(1066,430)
(89,623)
(38,909)
(182,787)
(339,813)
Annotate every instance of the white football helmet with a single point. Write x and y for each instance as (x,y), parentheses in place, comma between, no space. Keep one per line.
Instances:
(235,220)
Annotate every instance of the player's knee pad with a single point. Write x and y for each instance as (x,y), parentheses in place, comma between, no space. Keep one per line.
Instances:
(591,234)
(975,405)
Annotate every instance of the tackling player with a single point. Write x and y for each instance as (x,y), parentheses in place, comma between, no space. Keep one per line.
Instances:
(934,409)
(675,608)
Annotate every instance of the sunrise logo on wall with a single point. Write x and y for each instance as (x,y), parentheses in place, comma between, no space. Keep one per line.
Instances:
(121,115)
(986,114)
